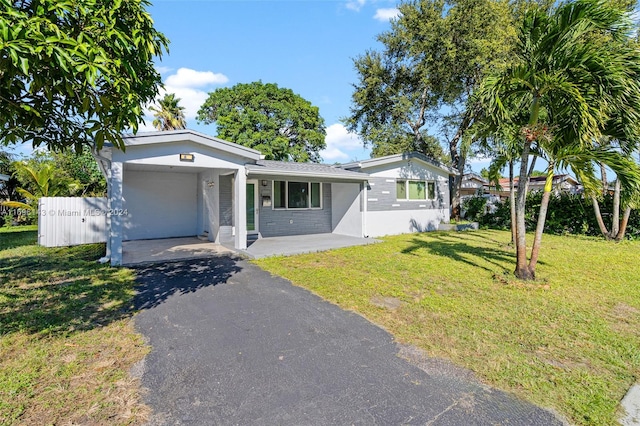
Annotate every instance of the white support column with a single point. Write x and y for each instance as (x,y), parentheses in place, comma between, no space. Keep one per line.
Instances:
(364,209)
(240,205)
(115,221)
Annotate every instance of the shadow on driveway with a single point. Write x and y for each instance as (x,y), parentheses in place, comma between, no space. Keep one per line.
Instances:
(232,344)
(162,280)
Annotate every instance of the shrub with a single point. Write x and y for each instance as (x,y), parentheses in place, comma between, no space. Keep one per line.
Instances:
(567,214)
(474,207)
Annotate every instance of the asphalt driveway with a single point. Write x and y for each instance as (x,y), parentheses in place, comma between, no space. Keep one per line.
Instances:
(232,344)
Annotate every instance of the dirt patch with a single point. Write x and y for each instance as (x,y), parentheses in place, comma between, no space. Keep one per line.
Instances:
(623,311)
(435,366)
(390,303)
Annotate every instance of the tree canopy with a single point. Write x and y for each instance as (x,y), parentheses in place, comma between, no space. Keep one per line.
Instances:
(433,58)
(273,120)
(75,72)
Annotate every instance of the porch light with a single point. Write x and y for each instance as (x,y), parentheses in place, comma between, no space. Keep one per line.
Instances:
(187,157)
(264,183)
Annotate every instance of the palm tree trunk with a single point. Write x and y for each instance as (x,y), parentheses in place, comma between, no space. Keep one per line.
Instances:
(601,225)
(615,217)
(522,269)
(603,177)
(512,203)
(623,224)
(542,217)
(531,169)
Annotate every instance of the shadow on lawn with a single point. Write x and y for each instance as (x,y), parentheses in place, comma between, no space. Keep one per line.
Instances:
(158,282)
(460,247)
(58,290)
(12,238)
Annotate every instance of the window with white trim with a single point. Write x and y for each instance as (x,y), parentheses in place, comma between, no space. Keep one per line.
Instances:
(415,190)
(297,195)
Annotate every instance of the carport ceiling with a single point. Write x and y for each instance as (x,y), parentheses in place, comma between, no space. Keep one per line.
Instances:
(162,168)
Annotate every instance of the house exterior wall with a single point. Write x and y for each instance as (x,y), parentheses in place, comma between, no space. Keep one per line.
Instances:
(346,211)
(277,223)
(208,203)
(386,215)
(159,205)
(226,208)
(168,154)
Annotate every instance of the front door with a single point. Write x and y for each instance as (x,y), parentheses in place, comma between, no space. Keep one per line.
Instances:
(252,207)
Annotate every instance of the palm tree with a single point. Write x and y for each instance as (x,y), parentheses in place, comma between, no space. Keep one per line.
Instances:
(575,72)
(42,181)
(168,114)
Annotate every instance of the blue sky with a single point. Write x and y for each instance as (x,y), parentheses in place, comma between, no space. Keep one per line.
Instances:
(306,46)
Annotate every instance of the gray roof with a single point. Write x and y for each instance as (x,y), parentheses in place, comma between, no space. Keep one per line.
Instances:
(288,168)
(144,138)
(390,159)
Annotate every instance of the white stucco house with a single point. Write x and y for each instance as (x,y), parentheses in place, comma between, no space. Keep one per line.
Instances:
(184,183)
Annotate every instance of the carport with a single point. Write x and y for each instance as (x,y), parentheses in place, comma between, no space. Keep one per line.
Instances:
(175,184)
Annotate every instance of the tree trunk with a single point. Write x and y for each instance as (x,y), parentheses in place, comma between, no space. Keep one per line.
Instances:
(542,217)
(623,225)
(512,203)
(522,269)
(531,168)
(615,216)
(603,177)
(458,160)
(601,225)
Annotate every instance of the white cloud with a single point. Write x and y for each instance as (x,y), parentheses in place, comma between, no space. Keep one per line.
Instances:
(163,70)
(355,4)
(190,99)
(186,77)
(383,15)
(338,141)
(191,87)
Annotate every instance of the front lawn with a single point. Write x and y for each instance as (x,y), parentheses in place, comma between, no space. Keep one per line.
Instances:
(569,341)
(66,338)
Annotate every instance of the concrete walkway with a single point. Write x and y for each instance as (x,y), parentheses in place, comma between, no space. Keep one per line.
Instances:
(173,249)
(298,244)
(169,249)
(232,344)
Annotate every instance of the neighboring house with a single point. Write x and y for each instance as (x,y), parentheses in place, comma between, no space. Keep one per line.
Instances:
(561,183)
(473,184)
(183,183)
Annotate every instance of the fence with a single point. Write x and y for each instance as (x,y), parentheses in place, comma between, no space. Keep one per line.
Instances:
(70,221)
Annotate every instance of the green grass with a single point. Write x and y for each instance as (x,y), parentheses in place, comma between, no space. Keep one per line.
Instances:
(66,338)
(569,341)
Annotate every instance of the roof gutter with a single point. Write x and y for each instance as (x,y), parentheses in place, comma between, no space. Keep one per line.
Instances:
(276,173)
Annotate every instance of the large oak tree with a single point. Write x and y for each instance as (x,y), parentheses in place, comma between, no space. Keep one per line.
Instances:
(432,60)
(273,120)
